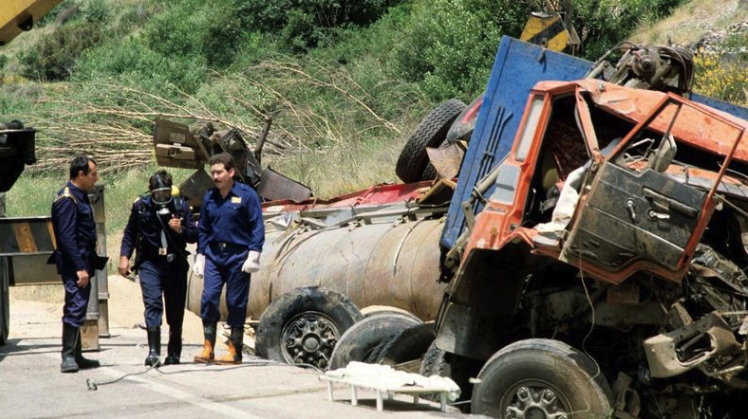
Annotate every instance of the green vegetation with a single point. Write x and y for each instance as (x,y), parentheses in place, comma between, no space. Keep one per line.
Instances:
(344,80)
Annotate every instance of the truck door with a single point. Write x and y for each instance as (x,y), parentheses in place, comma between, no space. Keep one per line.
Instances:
(639,207)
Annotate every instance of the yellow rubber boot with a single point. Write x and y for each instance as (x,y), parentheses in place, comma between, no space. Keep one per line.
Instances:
(206,356)
(236,343)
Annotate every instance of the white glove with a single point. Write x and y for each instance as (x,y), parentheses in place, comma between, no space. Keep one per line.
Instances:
(199,266)
(252,264)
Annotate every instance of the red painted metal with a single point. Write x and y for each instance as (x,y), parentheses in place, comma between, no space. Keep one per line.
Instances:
(374,196)
(710,130)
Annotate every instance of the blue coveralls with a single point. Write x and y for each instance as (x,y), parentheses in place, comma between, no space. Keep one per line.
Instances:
(160,274)
(75,234)
(229,228)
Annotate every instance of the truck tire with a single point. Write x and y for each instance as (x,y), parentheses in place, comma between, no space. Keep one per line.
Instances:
(434,362)
(541,376)
(4,303)
(407,345)
(359,341)
(369,311)
(431,132)
(304,325)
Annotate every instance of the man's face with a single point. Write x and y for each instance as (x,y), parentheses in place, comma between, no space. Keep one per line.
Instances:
(222,178)
(87,181)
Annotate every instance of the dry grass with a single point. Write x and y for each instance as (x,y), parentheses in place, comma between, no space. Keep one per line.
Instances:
(691,21)
(343,169)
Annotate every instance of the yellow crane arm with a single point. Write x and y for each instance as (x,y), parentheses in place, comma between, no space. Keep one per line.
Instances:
(17,16)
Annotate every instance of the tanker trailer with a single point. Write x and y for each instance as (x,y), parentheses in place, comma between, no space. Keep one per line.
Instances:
(323,259)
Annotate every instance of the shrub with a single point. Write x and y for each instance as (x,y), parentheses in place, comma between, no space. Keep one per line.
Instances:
(721,78)
(308,23)
(449,45)
(96,11)
(601,24)
(149,68)
(209,29)
(55,56)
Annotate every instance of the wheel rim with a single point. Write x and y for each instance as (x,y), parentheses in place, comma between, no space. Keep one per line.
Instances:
(309,338)
(535,399)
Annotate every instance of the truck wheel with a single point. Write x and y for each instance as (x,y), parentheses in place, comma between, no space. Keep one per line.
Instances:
(304,325)
(4,303)
(434,362)
(541,377)
(431,132)
(407,345)
(369,311)
(359,341)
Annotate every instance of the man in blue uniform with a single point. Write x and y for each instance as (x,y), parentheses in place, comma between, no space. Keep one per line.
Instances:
(230,241)
(75,256)
(160,226)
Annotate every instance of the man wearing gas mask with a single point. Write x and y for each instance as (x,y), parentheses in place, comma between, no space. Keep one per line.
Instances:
(160,226)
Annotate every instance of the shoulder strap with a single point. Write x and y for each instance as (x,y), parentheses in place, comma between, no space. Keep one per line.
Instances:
(66,194)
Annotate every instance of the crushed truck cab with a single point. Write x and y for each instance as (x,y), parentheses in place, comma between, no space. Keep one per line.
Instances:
(604,250)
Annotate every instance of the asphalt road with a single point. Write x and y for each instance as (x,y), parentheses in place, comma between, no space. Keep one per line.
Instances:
(31,385)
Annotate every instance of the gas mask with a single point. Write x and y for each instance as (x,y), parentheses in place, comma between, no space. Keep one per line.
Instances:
(161,198)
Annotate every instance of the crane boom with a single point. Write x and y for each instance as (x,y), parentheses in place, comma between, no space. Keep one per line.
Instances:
(17,16)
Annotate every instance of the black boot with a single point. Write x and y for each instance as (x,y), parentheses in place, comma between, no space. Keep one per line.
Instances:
(174,348)
(83,363)
(154,346)
(69,337)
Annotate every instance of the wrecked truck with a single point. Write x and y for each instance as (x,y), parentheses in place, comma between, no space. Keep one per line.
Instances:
(635,305)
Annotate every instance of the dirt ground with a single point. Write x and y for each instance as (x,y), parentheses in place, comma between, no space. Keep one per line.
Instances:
(125,306)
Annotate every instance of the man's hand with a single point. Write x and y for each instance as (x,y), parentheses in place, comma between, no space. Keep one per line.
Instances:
(199,266)
(82,278)
(124,266)
(175,224)
(252,264)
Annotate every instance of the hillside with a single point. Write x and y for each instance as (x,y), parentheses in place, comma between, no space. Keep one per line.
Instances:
(344,81)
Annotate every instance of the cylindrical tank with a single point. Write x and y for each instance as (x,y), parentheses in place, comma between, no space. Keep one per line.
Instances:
(387,262)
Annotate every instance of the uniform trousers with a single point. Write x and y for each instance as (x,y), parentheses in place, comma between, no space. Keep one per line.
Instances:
(168,279)
(76,299)
(226,269)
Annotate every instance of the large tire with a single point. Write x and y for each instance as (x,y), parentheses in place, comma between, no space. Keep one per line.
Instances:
(304,325)
(431,132)
(541,375)
(407,345)
(360,340)
(369,311)
(4,302)
(435,362)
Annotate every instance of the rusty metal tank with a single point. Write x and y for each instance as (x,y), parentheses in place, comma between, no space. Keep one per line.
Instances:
(387,255)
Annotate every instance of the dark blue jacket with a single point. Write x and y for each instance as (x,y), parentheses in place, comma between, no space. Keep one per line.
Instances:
(236,219)
(75,231)
(143,230)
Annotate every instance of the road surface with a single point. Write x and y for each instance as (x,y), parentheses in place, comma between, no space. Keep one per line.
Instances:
(31,385)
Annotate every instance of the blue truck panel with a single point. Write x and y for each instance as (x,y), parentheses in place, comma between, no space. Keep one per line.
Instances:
(517,68)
